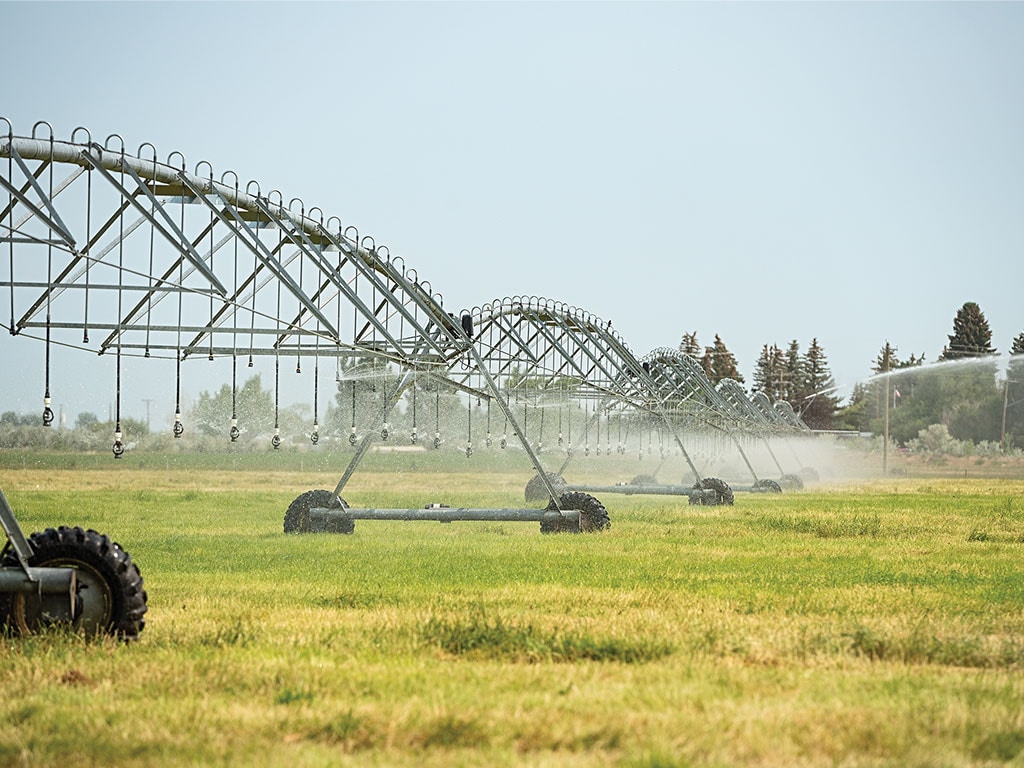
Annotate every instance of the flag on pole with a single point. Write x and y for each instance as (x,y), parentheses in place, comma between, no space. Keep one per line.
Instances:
(895,392)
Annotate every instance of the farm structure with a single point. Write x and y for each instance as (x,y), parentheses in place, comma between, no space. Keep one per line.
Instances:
(133,258)
(136,258)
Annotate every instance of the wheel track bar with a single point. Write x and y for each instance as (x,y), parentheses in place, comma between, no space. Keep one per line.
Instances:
(444,514)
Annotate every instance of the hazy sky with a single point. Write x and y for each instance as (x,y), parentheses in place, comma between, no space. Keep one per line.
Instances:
(851,172)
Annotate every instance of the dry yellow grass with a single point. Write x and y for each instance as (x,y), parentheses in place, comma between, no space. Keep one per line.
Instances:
(870,625)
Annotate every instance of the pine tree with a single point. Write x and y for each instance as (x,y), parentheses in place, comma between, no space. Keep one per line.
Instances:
(763,372)
(886,360)
(819,404)
(792,389)
(1013,396)
(1017,347)
(770,372)
(707,363)
(689,345)
(723,362)
(971,335)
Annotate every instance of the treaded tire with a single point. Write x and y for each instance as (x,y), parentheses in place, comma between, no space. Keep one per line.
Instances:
(792,482)
(535,490)
(111,599)
(809,474)
(768,486)
(723,493)
(593,515)
(296,518)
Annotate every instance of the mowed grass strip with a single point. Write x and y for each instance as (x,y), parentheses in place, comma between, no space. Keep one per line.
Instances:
(855,626)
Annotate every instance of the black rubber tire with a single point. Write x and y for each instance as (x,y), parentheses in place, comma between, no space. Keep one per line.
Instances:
(723,493)
(296,518)
(111,597)
(809,474)
(535,490)
(644,480)
(593,515)
(791,482)
(768,486)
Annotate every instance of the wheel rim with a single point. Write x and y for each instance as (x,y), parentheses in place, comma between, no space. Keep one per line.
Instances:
(94,608)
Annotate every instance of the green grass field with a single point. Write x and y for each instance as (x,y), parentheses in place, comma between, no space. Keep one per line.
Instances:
(874,625)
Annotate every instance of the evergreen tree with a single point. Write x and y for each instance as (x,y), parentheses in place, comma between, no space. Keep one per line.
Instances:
(817,401)
(770,372)
(722,362)
(971,335)
(886,360)
(857,413)
(971,403)
(1013,395)
(689,345)
(707,363)
(792,389)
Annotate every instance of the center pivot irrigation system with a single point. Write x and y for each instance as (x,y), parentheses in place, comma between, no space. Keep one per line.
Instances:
(135,258)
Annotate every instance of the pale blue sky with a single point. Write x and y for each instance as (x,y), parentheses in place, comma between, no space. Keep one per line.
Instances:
(764,171)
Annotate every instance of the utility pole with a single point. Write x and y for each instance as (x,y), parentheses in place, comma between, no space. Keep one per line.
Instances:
(885,436)
(1006,398)
(885,431)
(147,401)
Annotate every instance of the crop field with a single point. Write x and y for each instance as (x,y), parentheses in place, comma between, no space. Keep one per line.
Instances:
(877,624)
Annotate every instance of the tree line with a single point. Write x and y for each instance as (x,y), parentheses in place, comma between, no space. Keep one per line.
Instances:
(800,378)
(968,397)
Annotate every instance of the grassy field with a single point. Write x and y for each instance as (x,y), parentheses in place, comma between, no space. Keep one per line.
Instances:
(879,624)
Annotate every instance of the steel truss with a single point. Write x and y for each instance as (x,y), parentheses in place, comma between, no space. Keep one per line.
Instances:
(726,409)
(129,256)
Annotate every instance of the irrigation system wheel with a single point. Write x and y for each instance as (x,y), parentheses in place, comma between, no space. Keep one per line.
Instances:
(791,482)
(296,518)
(110,598)
(536,491)
(809,474)
(722,492)
(768,486)
(593,515)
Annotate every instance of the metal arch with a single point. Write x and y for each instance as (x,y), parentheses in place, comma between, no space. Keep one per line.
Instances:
(557,345)
(160,193)
(729,399)
(275,293)
(572,343)
(396,315)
